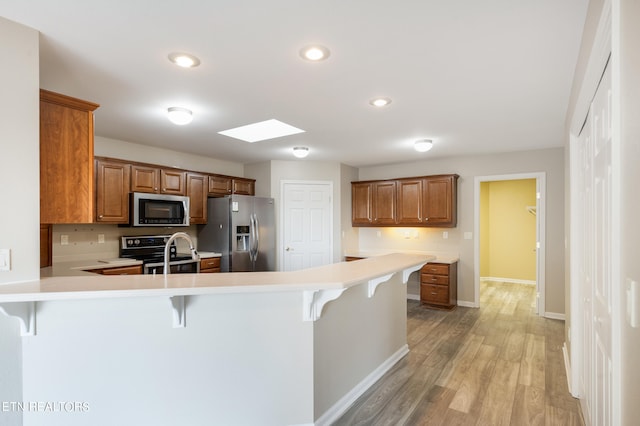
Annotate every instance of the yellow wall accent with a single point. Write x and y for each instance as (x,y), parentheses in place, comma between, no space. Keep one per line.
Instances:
(507,229)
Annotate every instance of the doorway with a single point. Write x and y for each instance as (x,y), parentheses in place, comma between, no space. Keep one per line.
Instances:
(306,224)
(533,207)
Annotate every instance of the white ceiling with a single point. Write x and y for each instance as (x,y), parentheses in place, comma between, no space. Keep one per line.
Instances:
(475,76)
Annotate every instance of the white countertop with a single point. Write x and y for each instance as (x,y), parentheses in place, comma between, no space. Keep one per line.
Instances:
(440,257)
(93,286)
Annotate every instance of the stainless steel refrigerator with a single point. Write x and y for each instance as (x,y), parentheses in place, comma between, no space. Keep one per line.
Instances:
(243,230)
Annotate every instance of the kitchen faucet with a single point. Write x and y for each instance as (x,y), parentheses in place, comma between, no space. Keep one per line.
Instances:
(184,235)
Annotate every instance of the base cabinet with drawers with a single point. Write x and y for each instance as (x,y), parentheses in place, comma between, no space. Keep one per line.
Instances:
(209,265)
(439,285)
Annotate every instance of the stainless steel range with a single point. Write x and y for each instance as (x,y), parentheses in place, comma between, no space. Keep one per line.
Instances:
(150,250)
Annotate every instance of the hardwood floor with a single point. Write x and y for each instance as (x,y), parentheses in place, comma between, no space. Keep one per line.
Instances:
(497,365)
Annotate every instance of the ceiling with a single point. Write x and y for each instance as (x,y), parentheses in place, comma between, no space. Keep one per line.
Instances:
(476,77)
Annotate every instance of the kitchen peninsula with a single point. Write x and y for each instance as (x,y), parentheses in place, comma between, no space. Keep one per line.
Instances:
(236,348)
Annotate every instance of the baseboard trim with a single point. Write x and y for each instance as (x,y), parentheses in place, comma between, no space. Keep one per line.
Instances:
(343,404)
(554,315)
(567,366)
(509,280)
(467,304)
(413,297)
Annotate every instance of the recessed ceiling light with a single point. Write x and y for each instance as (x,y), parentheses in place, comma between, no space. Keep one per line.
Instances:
(179,116)
(314,53)
(300,151)
(380,102)
(423,145)
(262,131)
(184,60)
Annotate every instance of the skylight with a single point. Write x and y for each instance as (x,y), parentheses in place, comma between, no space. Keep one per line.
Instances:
(262,131)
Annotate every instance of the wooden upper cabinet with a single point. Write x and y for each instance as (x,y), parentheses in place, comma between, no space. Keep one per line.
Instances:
(409,209)
(172,182)
(66,159)
(361,204)
(244,186)
(145,179)
(384,203)
(220,185)
(112,191)
(419,201)
(156,180)
(440,200)
(197,193)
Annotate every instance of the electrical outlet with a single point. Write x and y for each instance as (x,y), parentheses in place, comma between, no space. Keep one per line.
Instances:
(64,240)
(100,238)
(5,260)
(445,235)
(468,235)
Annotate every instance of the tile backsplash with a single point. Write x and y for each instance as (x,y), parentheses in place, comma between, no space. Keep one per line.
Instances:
(83,240)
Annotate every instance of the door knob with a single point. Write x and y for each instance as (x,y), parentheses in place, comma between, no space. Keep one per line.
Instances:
(289,249)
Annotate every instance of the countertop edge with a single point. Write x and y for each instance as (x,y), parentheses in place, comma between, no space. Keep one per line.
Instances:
(334,276)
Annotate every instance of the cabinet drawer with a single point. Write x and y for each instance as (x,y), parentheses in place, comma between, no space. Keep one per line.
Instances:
(209,271)
(122,270)
(434,294)
(436,268)
(434,279)
(209,263)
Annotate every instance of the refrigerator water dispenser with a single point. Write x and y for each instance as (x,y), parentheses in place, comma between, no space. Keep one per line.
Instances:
(242,238)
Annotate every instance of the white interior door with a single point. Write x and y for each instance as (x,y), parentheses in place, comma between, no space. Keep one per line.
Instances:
(307,222)
(594,255)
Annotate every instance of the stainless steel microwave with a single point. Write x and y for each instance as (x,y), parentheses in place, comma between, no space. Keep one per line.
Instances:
(159,210)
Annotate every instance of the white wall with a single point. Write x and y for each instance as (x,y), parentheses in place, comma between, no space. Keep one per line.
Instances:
(550,161)
(19,161)
(19,174)
(629,56)
(105,147)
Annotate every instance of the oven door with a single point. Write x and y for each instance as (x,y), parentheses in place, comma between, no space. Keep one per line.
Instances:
(189,266)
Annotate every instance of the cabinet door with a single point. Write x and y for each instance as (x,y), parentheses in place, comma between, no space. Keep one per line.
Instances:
(410,202)
(172,182)
(440,201)
(145,179)
(361,204)
(244,186)
(66,159)
(220,185)
(384,203)
(112,191)
(197,193)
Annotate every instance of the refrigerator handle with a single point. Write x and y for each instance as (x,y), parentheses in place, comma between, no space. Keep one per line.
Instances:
(252,248)
(256,239)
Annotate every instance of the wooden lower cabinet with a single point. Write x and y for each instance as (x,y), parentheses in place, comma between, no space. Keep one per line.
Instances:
(439,285)
(352,258)
(209,265)
(119,270)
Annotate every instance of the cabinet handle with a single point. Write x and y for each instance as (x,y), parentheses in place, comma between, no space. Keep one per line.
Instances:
(100,217)
(426,218)
(433,293)
(434,279)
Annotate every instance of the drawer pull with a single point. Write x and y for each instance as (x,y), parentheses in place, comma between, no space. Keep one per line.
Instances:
(433,293)
(434,279)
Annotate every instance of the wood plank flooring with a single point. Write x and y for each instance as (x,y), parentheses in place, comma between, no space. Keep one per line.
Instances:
(497,365)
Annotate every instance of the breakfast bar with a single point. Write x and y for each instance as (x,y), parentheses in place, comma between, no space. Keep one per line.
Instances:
(268,348)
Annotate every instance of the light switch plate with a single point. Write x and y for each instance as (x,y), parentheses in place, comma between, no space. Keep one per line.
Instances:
(234,206)
(5,260)
(468,235)
(64,240)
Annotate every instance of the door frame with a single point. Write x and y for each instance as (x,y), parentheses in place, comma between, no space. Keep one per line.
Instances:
(540,178)
(283,203)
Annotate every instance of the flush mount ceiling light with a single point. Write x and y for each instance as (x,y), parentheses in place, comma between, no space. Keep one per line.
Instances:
(423,145)
(262,131)
(300,151)
(380,102)
(314,53)
(179,116)
(184,60)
